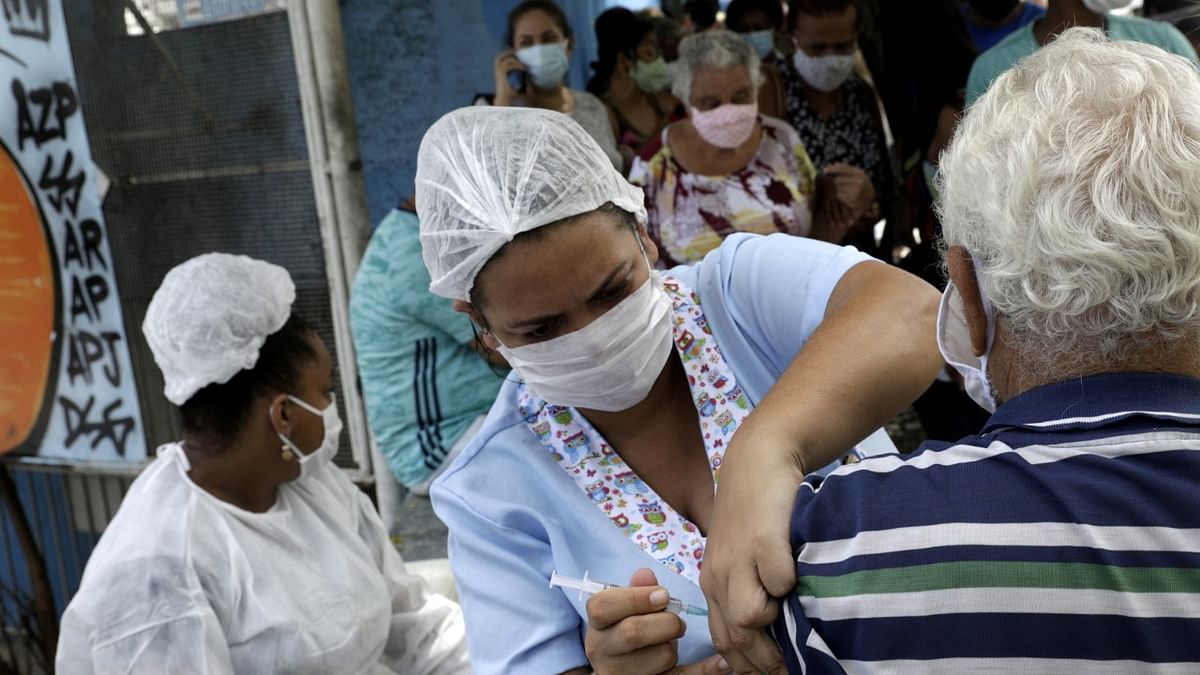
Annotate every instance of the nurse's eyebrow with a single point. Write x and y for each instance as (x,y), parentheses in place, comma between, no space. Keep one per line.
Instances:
(603,287)
(534,321)
(547,318)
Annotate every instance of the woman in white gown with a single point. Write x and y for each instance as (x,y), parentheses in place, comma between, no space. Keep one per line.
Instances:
(241,549)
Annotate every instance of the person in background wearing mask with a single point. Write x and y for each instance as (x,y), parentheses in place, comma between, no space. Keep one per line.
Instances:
(1061,15)
(1062,539)
(725,168)
(633,391)
(836,114)
(700,15)
(243,549)
(426,381)
(540,43)
(760,22)
(669,34)
(990,21)
(632,77)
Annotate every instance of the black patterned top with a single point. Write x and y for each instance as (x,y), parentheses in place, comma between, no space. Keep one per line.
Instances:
(852,135)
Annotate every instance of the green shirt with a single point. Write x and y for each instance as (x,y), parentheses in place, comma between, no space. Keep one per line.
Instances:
(423,382)
(992,63)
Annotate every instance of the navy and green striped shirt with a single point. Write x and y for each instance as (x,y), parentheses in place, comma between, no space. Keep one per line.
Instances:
(1063,539)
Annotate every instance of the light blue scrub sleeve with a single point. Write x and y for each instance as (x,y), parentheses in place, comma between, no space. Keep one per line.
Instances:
(516,623)
(769,295)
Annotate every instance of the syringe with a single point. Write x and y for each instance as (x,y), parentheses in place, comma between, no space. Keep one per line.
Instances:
(587,587)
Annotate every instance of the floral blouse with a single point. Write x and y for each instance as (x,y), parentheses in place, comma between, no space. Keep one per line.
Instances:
(689,214)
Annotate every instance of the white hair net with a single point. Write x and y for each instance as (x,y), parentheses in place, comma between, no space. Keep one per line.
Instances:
(210,316)
(487,174)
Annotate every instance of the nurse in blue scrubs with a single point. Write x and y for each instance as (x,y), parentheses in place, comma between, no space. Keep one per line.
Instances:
(658,420)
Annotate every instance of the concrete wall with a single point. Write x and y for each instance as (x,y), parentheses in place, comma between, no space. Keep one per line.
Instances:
(411,61)
(404,74)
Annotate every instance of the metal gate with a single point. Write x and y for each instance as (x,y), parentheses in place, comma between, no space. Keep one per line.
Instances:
(218,125)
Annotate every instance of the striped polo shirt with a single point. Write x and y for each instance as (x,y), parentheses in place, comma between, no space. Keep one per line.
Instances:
(1065,538)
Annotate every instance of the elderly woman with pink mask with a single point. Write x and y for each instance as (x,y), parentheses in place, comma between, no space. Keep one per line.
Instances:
(726,168)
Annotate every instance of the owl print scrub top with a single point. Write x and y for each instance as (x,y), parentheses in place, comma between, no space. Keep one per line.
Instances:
(515,513)
(597,468)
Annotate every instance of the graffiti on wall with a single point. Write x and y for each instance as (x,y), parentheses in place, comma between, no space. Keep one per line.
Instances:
(66,386)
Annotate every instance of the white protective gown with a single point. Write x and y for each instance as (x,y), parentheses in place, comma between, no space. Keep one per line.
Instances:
(182,582)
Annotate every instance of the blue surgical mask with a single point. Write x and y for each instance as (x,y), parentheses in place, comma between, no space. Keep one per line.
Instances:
(547,63)
(762,41)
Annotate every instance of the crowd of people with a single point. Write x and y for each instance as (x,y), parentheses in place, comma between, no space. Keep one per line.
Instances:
(648,332)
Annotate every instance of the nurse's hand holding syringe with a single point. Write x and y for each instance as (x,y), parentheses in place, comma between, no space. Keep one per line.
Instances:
(588,587)
(632,629)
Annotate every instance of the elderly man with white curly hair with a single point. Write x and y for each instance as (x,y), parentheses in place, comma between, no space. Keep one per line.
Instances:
(1065,538)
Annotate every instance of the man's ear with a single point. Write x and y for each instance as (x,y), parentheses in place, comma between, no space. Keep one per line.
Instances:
(570,47)
(476,318)
(962,273)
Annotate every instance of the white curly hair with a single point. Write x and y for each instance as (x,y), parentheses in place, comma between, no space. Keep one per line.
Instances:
(1075,183)
(719,49)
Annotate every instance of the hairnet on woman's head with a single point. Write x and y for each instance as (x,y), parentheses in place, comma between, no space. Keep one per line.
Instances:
(485,175)
(211,315)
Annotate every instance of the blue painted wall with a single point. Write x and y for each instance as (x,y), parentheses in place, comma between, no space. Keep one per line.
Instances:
(411,61)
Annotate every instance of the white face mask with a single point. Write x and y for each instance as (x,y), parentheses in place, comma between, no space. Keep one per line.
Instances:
(954,341)
(609,364)
(317,459)
(1104,6)
(547,63)
(824,73)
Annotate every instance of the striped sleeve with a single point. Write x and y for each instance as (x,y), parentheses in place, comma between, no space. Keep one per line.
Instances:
(1083,557)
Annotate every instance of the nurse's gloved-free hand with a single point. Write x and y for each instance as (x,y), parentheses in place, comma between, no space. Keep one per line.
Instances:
(747,558)
(630,632)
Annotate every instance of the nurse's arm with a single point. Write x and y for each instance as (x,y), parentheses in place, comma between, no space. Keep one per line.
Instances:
(873,353)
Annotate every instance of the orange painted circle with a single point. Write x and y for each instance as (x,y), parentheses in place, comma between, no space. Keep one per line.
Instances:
(27,308)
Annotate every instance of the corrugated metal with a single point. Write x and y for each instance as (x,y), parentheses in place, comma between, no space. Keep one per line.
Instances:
(207,153)
(201,133)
